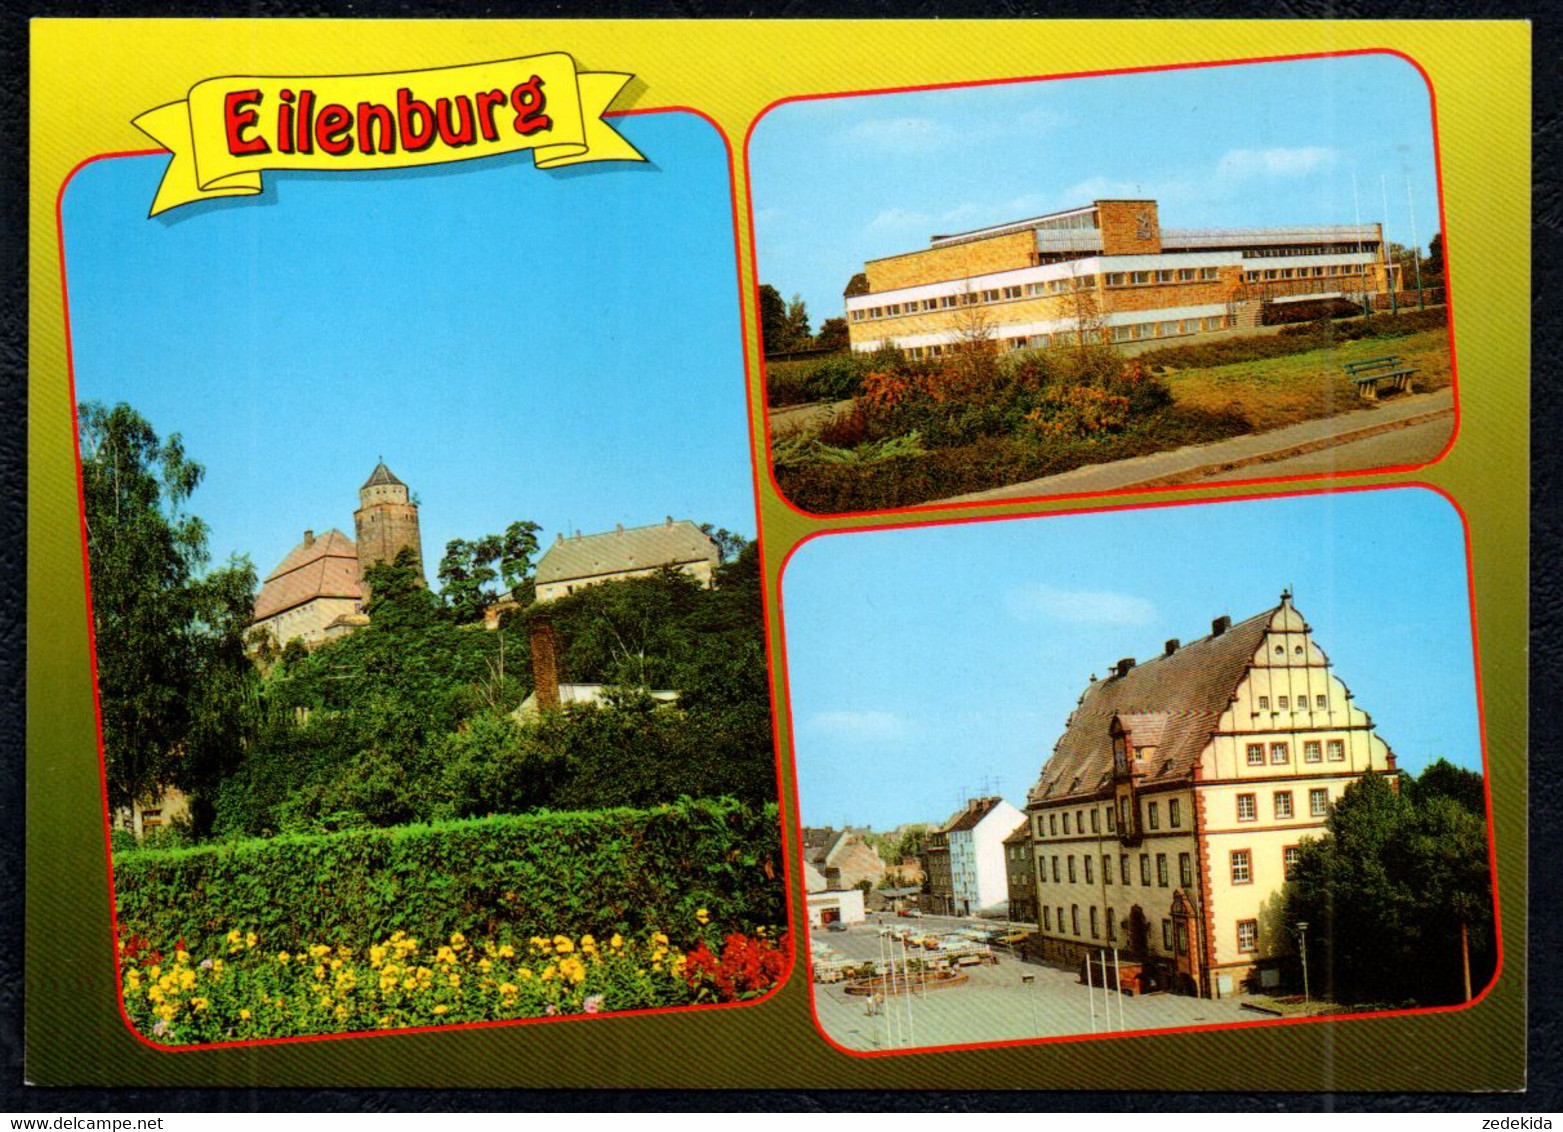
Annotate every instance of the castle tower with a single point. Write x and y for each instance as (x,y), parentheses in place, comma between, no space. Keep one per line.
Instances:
(385,522)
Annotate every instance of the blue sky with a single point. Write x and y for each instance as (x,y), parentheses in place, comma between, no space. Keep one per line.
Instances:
(842,180)
(932,664)
(556,346)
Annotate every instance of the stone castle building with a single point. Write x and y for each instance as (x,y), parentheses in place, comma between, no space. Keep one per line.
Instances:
(1107,271)
(1168,818)
(571,564)
(317,591)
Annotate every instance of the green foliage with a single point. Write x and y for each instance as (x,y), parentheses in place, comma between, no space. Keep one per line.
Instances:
(831,378)
(833,335)
(1386,893)
(469,569)
(175,687)
(1296,339)
(632,871)
(773,319)
(1442,779)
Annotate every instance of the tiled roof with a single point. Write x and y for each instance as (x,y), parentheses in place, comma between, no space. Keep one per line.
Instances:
(635,548)
(1021,834)
(971,816)
(326,566)
(1172,702)
(381,475)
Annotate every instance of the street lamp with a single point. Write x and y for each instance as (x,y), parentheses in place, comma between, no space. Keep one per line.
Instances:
(1302,935)
(1030,980)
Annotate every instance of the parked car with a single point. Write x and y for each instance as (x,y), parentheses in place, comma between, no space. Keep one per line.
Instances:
(835,926)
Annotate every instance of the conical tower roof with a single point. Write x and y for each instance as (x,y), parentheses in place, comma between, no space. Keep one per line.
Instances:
(380,476)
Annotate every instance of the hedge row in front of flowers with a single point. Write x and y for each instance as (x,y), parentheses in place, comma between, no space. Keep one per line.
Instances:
(505,877)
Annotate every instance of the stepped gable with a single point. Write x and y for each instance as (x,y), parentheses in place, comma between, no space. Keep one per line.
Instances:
(323,566)
(672,543)
(1172,703)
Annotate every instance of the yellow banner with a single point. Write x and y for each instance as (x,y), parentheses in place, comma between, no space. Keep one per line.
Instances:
(230,130)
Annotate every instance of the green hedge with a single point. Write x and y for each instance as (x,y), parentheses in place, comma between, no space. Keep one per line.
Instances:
(502,877)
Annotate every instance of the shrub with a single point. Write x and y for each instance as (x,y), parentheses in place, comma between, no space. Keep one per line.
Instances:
(503,877)
(832,378)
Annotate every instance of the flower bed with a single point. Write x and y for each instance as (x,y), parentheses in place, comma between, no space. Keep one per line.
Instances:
(246,991)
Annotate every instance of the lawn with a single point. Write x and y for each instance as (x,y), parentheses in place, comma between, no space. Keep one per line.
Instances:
(1275,392)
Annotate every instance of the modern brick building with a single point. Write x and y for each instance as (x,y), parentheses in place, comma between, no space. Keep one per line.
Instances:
(1108,271)
(1170,812)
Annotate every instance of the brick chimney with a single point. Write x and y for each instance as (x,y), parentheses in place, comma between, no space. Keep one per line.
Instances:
(1220,625)
(1125,665)
(309,538)
(545,666)
(1172,646)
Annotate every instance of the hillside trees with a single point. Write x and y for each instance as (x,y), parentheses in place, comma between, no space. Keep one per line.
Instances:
(469,569)
(174,685)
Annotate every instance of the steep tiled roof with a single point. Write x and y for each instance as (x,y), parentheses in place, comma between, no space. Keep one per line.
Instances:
(636,548)
(381,475)
(1021,834)
(1172,702)
(971,816)
(326,566)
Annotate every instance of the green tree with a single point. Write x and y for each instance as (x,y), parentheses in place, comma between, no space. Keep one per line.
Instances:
(1442,779)
(799,336)
(773,320)
(469,569)
(1433,262)
(832,335)
(1394,895)
(173,679)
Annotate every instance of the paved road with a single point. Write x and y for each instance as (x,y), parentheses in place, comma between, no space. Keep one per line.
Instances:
(1414,444)
(996,1005)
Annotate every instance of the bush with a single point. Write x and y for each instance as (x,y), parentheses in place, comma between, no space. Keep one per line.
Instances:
(631,871)
(832,378)
(1295,339)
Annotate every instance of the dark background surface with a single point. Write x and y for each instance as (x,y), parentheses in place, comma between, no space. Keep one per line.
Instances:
(1544,1095)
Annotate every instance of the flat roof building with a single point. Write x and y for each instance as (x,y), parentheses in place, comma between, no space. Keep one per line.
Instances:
(1107,271)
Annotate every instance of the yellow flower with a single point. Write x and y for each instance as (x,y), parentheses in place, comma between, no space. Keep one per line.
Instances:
(155,994)
(181,956)
(234,936)
(133,977)
(319,950)
(251,939)
(376,955)
(198,1003)
(187,980)
(458,941)
(525,973)
(166,1013)
(658,937)
(506,951)
(320,971)
(454,980)
(508,989)
(156,971)
(283,957)
(616,942)
(441,1008)
(563,945)
(410,984)
(244,1014)
(703,916)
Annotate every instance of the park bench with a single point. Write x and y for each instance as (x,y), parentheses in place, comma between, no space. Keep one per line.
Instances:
(1371,373)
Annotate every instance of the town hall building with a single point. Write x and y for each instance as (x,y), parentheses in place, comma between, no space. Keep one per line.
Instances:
(1169,816)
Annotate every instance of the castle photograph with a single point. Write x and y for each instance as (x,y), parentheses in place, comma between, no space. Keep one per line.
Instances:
(1094,284)
(385,693)
(1278,815)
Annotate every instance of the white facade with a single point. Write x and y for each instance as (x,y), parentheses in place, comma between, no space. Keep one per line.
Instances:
(977,860)
(844,906)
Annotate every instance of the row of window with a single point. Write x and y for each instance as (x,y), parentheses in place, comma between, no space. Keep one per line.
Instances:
(987,295)
(1153,812)
(1169,328)
(1277,250)
(1321,702)
(1242,864)
(1334,750)
(1173,275)
(1281,804)
(1270,273)
(1174,933)
(1163,875)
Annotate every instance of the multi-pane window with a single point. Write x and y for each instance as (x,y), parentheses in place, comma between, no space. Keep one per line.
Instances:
(1337,750)
(1111,825)
(1322,702)
(1096,821)
(1319,802)
(1071,868)
(1248,935)
(1278,753)
(1312,751)
(1089,870)
(1153,810)
(1096,922)
(1264,703)
(1183,937)
(1079,821)
(1166,935)
(1123,868)
(1281,703)
(1185,870)
(1145,869)
(1066,825)
(1047,919)
(1055,870)
(1161,869)
(1174,813)
(1107,869)
(1112,925)
(1246,810)
(1052,825)
(1283,803)
(1074,918)
(1256,754)
(1289,858)
(1242,870)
